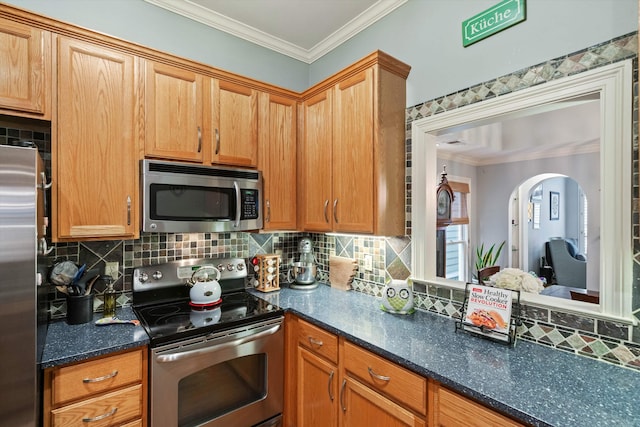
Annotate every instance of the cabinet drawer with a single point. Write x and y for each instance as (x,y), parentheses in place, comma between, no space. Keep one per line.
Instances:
(455,410)
(386,377)
(319,341)
(82,380)
(106,410)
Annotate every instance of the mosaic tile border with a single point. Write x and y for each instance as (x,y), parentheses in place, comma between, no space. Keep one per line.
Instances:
(589,337)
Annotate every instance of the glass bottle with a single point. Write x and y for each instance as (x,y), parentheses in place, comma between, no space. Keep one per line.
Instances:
(109,306)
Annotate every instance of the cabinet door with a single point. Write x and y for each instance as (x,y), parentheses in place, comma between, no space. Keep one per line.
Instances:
(353,155)
(235,110)
(317,391)
(315,164)
(173,109)
(95,165)
(362,406)
(277,161)
(25,66)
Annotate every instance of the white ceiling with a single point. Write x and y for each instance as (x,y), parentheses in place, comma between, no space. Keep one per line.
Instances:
(302,29)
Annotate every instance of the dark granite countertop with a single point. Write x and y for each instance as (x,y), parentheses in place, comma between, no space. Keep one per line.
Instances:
(533,383)
(73,343)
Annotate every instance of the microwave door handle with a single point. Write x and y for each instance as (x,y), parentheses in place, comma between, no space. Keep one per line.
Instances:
(238,204)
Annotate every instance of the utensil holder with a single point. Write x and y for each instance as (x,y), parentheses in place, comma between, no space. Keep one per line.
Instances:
(79,309)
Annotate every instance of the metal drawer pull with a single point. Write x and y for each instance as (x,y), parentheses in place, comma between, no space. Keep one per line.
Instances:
(217,142)
(97,380)
(344,408)
(329,385)
(199,139)
(335,210)
(100,417)
(315,342)
(326,216)
(378,377)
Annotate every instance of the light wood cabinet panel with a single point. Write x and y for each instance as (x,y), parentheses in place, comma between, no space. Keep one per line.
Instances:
(317,384)
(353,184)
(79,381)
(105,391)
(386,377)
(173,113)
(321,342)
(316,196)
(110,409)
(25,66)
(94,161)
(362,406)
(234,124)
(277,160)
(454,410)
(364,146)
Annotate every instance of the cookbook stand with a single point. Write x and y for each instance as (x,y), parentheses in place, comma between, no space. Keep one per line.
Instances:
(474,307)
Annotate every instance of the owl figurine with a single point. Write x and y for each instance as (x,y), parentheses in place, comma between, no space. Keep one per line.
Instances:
(397,297)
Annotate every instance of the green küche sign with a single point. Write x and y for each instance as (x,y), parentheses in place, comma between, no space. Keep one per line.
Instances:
(496,18)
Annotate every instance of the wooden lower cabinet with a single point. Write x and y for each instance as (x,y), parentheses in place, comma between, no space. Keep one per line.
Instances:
(450,409)
(363,406)
(333,382)
(105,391)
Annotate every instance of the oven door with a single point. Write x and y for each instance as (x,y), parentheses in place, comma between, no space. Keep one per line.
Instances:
(231,378)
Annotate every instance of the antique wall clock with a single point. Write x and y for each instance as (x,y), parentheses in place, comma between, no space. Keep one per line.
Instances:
(444,197)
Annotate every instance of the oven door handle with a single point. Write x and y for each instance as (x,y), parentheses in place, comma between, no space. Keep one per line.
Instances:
(236,186)
(216,346)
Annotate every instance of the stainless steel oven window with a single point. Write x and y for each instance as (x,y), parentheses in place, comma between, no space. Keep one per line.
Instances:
(231,378)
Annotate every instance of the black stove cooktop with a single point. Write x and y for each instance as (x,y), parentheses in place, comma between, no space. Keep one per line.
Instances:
(161,300)
(175,321)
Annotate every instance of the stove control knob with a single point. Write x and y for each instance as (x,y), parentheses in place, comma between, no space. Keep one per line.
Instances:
(231,267)
(240,266)
(221,267)
(143,277)
(157,275)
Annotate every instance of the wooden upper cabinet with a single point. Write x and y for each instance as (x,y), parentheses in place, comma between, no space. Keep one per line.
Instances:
(277,160)
(315,192)
(366,142)
(353,148)
(25,61)
(95,146)
(234,124)
(173,113)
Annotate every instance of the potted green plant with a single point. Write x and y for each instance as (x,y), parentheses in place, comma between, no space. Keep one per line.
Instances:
(487,258)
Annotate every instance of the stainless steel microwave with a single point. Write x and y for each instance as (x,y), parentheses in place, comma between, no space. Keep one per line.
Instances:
(186,198)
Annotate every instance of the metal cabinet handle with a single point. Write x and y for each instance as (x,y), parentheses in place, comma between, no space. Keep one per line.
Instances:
(329,385)
(217,141)
(128,210)
(315,342)
(377,376)
(43,248)
(97,380)
(326,216)
(335,210)
(344,384)
(268,218)
(100,417)
(199,139)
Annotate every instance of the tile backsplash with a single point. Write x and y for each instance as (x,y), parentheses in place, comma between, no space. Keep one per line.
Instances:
(391,256)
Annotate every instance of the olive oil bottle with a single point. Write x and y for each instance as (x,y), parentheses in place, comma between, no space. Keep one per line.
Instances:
(109,306)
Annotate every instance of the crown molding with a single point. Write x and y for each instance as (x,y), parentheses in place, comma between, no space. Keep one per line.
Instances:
(220,22)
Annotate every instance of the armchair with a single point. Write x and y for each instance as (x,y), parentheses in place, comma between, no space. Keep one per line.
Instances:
(569,269)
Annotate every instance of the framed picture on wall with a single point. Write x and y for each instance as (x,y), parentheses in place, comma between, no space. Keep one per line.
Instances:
(554,205)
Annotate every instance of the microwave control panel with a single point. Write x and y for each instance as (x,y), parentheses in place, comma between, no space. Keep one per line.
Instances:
(250,204)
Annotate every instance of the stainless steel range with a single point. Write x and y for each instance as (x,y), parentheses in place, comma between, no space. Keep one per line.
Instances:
(213,365)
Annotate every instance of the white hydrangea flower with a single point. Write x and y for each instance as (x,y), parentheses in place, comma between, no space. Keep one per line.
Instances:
(517,280)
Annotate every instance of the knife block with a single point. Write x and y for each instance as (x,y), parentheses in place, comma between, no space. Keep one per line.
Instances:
(268,272)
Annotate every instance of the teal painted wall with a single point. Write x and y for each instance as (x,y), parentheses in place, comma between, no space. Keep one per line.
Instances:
(426,34)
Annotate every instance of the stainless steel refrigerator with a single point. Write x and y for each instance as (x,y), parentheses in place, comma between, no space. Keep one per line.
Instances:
(23,316)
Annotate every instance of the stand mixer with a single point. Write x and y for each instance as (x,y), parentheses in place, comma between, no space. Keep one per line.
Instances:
(302,274)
